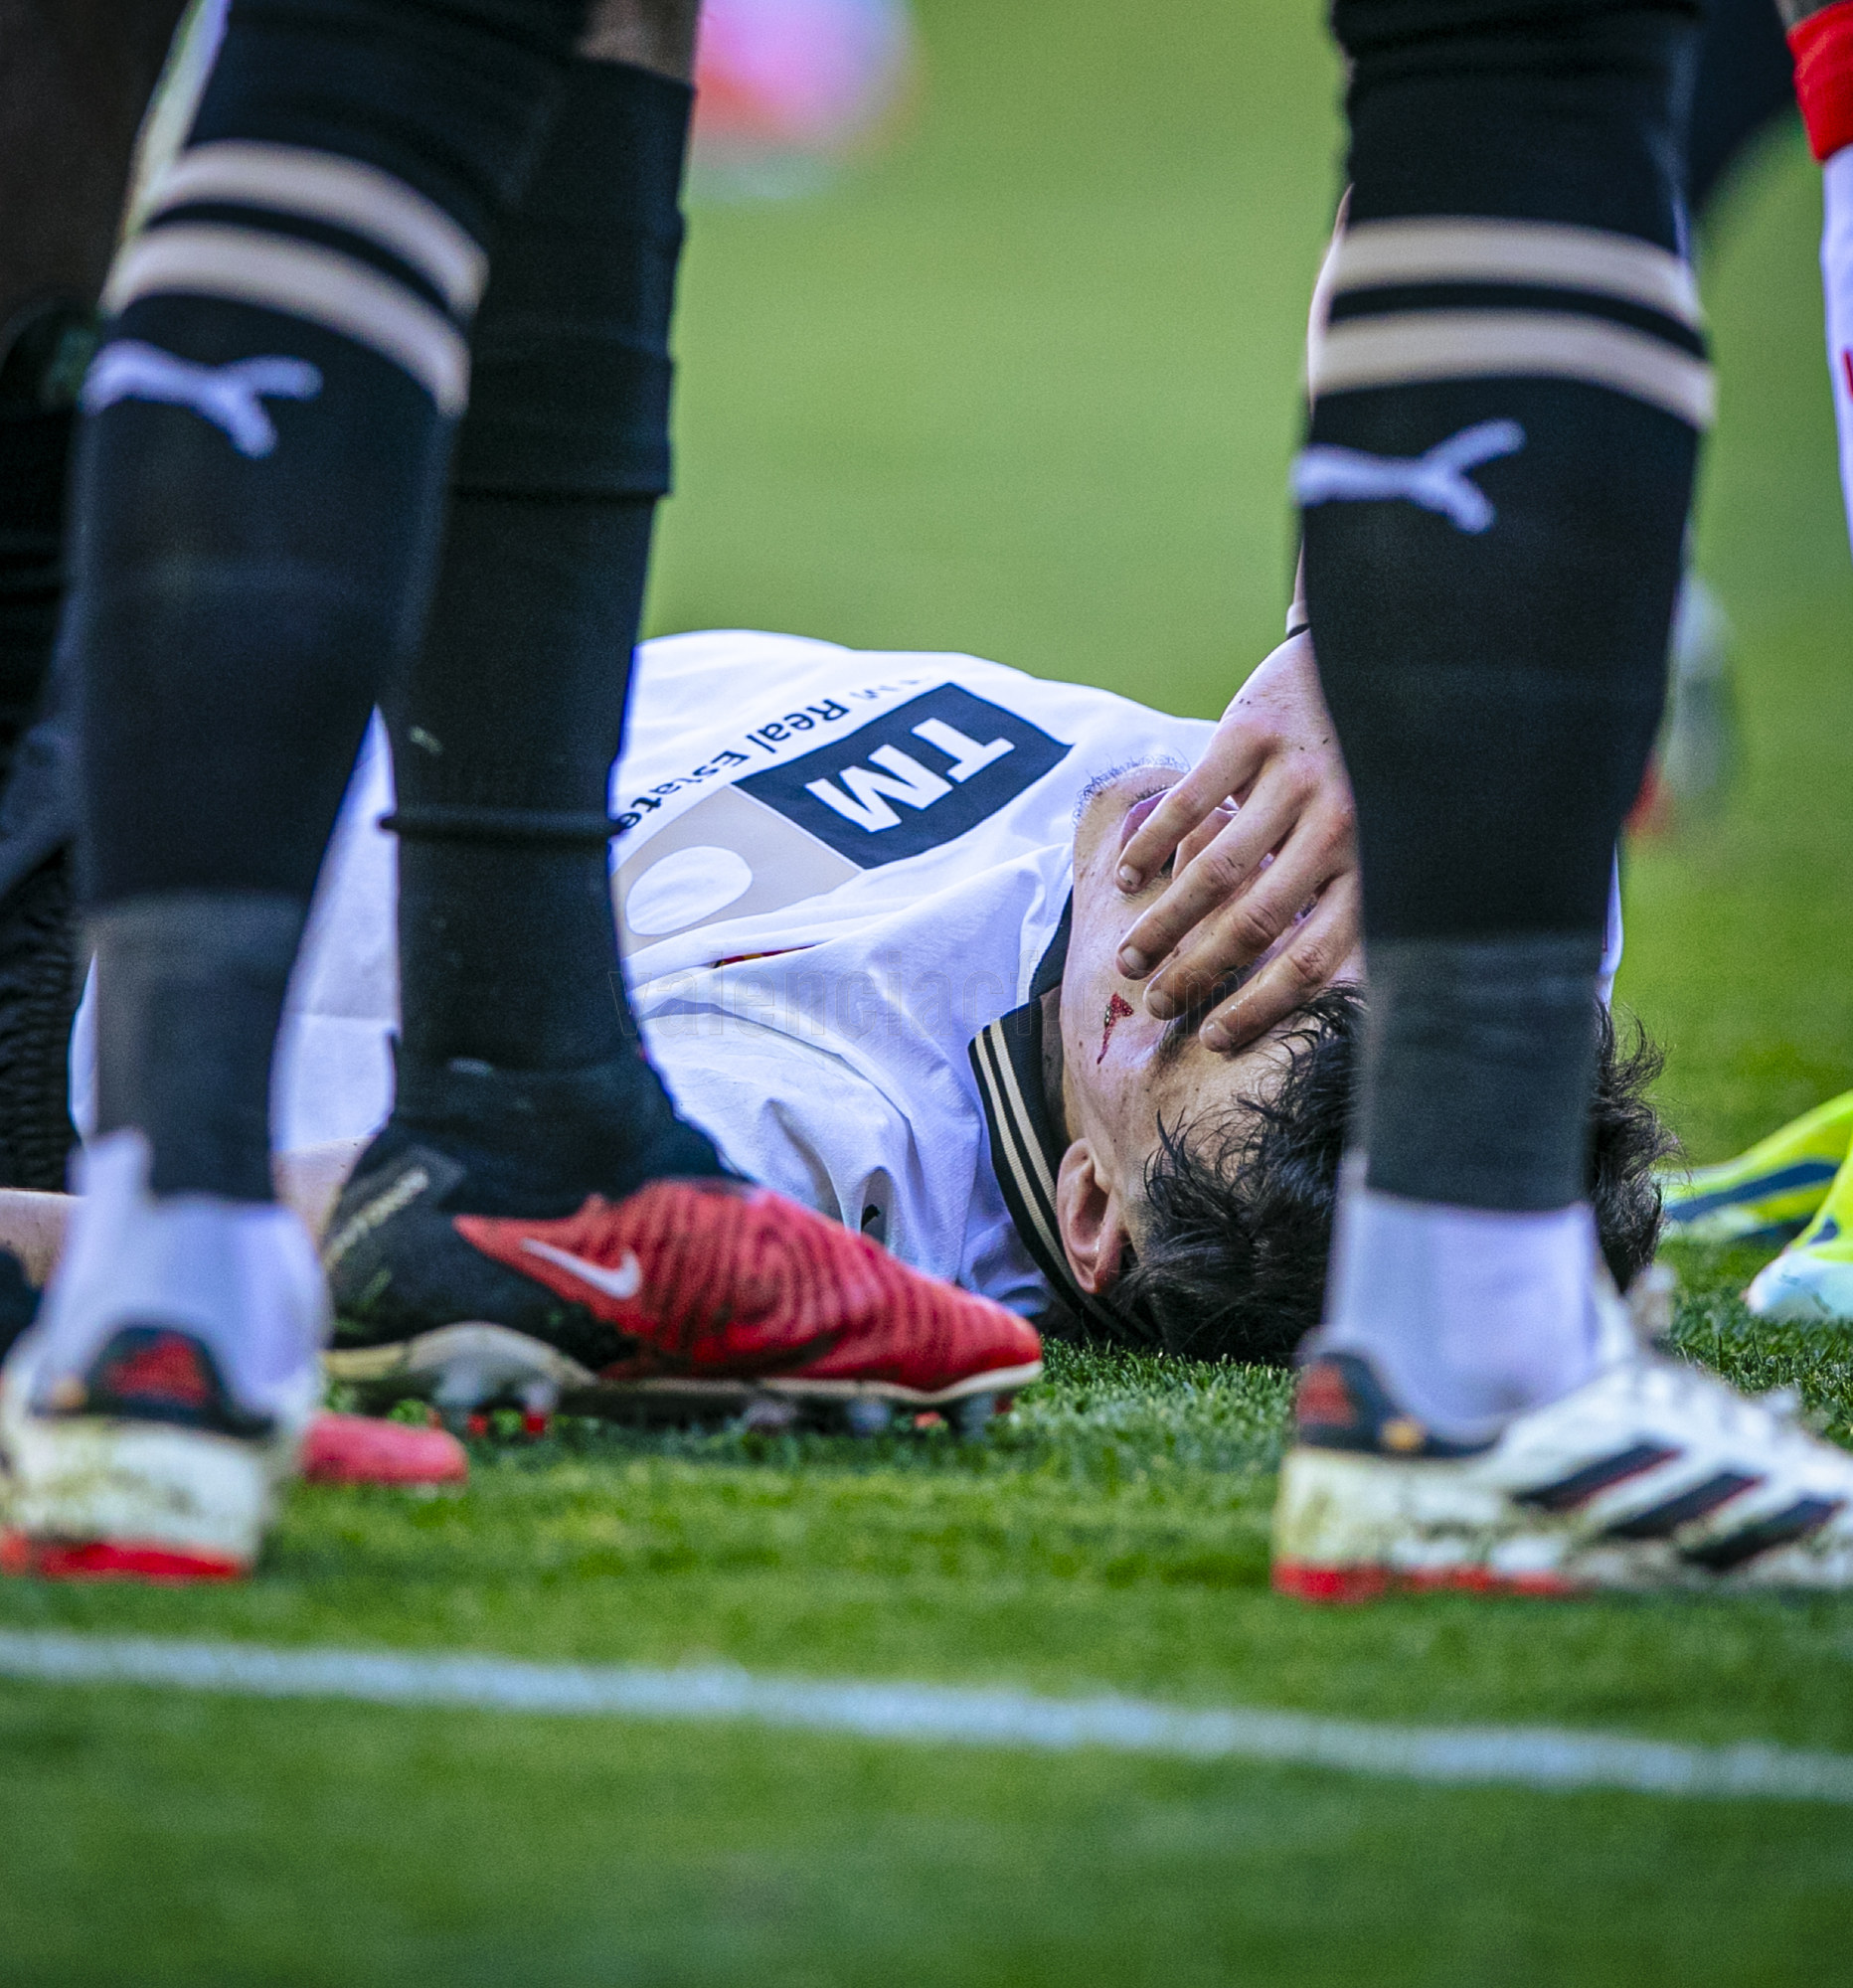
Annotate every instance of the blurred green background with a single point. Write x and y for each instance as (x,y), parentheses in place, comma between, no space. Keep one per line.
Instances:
(1028,384)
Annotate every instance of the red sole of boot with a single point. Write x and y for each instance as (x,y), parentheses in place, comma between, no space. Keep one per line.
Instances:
(364,1450)
(1343,1586)
(111,1560)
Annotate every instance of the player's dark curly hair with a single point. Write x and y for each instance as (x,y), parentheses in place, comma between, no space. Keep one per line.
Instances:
(1230,1261)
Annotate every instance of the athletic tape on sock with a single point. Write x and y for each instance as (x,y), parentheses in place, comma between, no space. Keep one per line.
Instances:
(1479,1063)
(190,988)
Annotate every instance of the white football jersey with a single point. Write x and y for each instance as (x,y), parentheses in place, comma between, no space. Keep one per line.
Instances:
(834,869)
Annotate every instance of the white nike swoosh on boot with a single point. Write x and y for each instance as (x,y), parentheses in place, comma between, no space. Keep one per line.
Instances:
(623,1282)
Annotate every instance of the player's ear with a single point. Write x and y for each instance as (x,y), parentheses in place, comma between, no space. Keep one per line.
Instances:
(1091,1219)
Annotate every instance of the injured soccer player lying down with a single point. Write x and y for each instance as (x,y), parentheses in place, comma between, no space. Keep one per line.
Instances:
(871,912)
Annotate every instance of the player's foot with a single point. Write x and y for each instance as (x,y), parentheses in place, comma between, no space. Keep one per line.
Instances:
(161,1394)
(1651,1474)
(1811,1281)
(336,1448)
(686,1297)
(1775,1188)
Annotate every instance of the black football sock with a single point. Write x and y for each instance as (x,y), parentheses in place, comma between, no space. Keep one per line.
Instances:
(506,728)
(1507,406)
(190,987)
(260,477)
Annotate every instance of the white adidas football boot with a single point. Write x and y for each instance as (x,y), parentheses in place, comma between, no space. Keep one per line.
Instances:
(153,1406)
(1652,1475)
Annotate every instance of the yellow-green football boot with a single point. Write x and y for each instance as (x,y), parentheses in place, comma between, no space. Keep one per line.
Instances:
(1778,1186)
(1811,1281)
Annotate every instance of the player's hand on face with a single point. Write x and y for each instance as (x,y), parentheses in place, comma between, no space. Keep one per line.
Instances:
(1261,830)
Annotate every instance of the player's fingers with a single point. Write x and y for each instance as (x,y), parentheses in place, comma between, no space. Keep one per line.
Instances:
(1228,943)
(1205,833)
(1210,881)
(1243,927)
(1314,952)
(1232,760)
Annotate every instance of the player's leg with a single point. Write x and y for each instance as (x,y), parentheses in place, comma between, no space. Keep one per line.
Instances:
(517,1033)
(74,80)
(1511,311)
(522,1086)
(260,487)
(527,1222)
(1507,408)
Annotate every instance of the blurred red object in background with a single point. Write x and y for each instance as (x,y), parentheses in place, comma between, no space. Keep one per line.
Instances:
(788,89)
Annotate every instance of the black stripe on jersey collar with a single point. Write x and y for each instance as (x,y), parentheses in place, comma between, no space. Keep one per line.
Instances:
(1026,1148)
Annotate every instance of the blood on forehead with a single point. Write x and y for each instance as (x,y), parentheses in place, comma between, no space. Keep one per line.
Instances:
(1117,1009)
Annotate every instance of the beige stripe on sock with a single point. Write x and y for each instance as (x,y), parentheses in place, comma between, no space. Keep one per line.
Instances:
(1394,350)
(249,267)
(322,186)
(1468,250)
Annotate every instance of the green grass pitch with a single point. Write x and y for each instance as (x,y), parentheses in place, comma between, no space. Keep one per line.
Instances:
(1027,387)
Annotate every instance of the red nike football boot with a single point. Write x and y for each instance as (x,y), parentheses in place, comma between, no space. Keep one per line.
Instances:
(687,1299)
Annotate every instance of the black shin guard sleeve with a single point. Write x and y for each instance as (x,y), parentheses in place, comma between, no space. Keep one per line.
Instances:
(1498,693)
(507,728)
(1496,680)
(570,350)
(508,952)
(1493,544)
(235,615)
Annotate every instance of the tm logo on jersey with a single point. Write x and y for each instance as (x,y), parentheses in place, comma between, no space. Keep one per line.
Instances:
(914,778)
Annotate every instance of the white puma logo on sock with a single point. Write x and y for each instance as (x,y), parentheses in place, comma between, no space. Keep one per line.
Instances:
(230,396)
(1436,481)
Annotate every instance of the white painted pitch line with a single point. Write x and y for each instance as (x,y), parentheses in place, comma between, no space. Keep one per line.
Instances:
(1535,1756)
